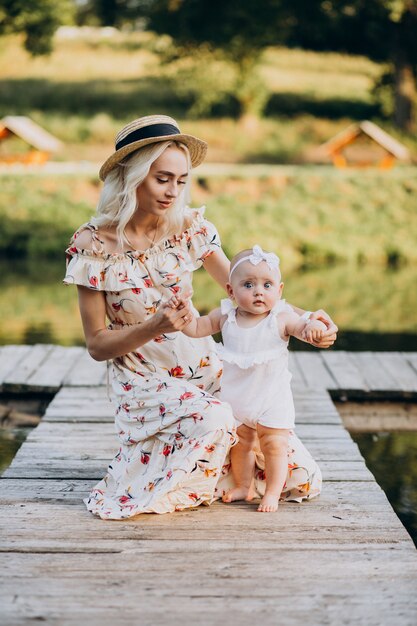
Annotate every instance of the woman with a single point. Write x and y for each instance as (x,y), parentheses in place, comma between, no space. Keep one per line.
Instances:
(141,248)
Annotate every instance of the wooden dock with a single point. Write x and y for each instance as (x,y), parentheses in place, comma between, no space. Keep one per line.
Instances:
(343,558)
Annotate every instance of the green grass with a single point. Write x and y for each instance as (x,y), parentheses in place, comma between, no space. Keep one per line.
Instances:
(312,218)
(319,218)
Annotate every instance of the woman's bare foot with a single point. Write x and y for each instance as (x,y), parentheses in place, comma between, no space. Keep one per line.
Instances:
(269,503)
(239,493)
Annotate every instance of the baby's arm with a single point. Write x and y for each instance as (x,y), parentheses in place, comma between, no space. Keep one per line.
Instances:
(199,326)
(309,331)
(205,325)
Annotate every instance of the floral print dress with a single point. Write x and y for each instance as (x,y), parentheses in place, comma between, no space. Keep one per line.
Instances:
(174,434)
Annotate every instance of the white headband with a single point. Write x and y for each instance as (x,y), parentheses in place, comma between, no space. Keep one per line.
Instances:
(256,257)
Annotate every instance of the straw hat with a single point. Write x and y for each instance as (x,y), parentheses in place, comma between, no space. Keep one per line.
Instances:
(147,130)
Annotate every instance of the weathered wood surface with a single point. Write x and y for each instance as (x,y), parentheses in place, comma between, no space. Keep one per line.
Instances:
(44,368)
(361,375)
(342,558)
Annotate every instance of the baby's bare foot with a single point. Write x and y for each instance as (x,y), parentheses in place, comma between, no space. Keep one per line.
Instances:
(269,503)
(239,493)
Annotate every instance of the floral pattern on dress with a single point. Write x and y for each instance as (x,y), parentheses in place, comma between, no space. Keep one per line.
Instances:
(174,434)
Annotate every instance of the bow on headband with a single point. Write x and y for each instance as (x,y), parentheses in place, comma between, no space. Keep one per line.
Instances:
(259,255)
(256,257)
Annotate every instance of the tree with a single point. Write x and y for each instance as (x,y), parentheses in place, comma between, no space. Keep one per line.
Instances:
(115,13)
(234,31)
(37,20)
(384,30)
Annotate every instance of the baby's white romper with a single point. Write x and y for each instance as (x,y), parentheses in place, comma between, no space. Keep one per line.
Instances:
(256,378)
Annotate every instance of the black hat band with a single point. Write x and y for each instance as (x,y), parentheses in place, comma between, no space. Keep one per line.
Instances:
(147,132)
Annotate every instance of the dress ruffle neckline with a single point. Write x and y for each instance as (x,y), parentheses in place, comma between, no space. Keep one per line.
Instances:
(170,242)
(134,269)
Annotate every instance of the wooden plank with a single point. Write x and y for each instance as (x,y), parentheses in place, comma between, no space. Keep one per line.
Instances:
(80,393)
(104,412)
(67,430)
(332,471)
(400,370)
(10,356)
(17,379)
(311,606)
(314,407)
(377,378)
(102,454)
(339,494)
(85,371)
(46,518)
(344,370)
(207,606)
(70,463)
(148,543)
(81,449)
(89,404)
(315,371)
(83,412)
(50,374)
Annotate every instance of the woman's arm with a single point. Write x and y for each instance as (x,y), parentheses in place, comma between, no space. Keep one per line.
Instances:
(218,266)
(329,335)
(103,343)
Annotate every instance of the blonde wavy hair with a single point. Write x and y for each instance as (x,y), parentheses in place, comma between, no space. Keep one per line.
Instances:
(118,201)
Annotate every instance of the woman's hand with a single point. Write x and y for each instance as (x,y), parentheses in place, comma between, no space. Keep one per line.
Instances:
(172,316)
(330,334)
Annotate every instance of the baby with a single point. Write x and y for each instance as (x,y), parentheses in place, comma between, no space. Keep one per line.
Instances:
(256,379)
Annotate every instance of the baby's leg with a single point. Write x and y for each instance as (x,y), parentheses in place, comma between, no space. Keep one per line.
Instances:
(242,457)
(274,446)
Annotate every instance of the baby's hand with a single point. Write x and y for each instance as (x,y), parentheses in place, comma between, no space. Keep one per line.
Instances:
(175,302)
(313,331)
(178,303)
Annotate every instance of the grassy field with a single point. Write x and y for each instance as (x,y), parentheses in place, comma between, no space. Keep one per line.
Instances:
(88,88)
(312,217)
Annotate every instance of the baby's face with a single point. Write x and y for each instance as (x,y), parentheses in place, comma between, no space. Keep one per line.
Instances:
(256,288)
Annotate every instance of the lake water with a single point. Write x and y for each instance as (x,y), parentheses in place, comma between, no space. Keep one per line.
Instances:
(375,309)
(392,459)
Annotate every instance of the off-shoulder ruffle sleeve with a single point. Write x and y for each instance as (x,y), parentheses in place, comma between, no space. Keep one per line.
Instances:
(202,239)
(105,274)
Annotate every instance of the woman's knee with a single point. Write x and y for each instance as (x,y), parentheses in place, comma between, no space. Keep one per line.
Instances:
(219,416)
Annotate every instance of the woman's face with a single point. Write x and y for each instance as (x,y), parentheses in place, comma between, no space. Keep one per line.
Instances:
(164,183)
